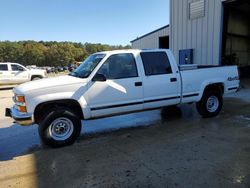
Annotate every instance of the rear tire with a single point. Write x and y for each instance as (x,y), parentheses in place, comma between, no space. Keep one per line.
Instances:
(60,128)
(210,104)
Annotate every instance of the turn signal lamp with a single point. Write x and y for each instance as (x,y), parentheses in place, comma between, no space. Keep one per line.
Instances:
(22,109)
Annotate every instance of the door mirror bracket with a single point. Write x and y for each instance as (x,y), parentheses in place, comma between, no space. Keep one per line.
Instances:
(99,78)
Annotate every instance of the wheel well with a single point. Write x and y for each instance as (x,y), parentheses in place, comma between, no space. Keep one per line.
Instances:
(215,87)
(42,108)
(34,76)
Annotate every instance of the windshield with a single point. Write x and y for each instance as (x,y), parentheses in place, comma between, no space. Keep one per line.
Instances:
(86,68)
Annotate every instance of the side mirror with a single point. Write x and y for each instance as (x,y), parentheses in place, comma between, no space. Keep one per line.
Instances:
(99,78)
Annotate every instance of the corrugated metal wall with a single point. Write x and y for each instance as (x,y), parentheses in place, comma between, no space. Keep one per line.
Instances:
(202,34)
(150,41)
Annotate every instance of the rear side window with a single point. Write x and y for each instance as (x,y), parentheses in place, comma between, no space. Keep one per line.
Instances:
(155,63)
(3,67)
(119,66)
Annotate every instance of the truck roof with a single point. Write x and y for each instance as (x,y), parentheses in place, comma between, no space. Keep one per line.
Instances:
(8,63)
(132,51)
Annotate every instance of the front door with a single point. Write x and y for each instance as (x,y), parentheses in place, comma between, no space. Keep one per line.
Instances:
(19,74)
(121,92)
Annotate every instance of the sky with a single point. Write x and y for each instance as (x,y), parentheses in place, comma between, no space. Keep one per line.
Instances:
(114,22)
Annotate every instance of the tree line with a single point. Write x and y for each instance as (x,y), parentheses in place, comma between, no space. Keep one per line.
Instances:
(49,53)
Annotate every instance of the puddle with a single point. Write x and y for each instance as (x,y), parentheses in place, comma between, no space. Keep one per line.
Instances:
(141,119)
(242,117)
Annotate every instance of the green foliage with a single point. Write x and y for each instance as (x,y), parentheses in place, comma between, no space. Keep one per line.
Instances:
(49,53)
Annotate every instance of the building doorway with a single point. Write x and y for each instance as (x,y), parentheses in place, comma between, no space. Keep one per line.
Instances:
(164,42)
(236,35)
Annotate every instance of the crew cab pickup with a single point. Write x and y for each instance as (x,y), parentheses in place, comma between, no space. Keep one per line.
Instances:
(118,82)
(14,73)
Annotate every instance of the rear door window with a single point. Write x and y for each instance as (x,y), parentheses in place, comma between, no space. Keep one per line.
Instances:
(156,63)
(3,67)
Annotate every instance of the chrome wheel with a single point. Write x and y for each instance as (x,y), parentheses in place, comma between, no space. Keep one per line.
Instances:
(61,128)
(212,104)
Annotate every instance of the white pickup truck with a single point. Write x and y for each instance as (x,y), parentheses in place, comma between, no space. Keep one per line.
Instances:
(14,73)
(118,82)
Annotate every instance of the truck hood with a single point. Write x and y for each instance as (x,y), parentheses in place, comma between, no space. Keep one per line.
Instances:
(48,83)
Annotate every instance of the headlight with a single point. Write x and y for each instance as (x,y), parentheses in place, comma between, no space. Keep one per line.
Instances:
(20,103)
(20,98)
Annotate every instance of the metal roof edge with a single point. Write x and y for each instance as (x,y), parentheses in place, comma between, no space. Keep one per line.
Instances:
(166,26)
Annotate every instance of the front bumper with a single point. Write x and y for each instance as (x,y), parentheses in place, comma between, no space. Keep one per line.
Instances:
(24,119)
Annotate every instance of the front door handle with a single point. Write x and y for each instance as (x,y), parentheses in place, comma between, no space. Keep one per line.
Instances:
(173,79)
(137,84)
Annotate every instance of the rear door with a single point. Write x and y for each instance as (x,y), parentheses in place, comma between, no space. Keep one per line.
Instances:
(121,92)
(19,74)
(4,73)
(161,84)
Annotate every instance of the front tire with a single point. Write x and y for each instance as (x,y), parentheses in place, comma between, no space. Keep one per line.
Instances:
(210,104)
(59,128)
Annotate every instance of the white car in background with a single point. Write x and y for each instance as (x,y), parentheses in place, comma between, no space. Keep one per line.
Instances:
(14,73)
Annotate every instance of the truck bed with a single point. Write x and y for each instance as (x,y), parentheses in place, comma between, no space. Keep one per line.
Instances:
(193,67)
(195,78)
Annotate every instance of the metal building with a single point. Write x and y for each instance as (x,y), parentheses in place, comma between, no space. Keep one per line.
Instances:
(155,39)
(216,31)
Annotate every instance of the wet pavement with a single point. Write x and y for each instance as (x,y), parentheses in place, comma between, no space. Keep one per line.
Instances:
(16,140)
(151,150)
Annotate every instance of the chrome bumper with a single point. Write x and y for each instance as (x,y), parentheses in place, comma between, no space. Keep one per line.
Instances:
(23,119)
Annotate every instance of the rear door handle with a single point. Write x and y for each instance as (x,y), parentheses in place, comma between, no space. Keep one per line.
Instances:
(137,84)
(173,79)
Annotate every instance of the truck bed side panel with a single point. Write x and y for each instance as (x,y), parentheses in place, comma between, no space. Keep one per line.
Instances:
(195,81)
